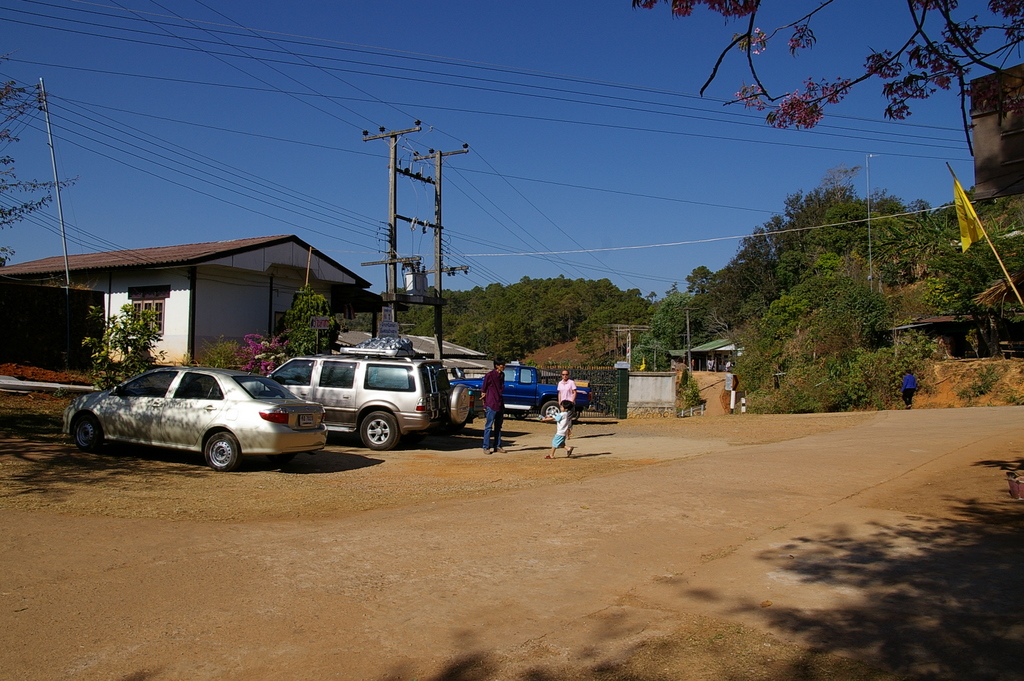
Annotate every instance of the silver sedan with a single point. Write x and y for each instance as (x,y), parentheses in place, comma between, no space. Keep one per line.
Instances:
(222,413)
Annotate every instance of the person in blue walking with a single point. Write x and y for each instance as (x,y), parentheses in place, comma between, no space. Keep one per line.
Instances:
(909,388)
(493,394)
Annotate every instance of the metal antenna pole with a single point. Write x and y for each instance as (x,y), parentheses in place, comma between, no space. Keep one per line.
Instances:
(60,216)
(871,265)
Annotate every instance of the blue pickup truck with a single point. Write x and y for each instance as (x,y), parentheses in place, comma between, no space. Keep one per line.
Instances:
(525,393)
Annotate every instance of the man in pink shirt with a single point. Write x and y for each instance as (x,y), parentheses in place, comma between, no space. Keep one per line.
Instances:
(567,393)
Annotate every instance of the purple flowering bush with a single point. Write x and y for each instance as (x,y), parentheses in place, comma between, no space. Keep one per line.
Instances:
(263,354)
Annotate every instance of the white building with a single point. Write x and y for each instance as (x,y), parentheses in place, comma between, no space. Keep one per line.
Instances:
(208,291)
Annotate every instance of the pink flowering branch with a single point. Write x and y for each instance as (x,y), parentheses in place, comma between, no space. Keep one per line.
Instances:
(938,55)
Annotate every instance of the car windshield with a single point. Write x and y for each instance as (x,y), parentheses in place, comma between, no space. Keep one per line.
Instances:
(263,388)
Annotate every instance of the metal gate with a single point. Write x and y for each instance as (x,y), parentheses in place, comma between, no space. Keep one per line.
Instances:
(603,384)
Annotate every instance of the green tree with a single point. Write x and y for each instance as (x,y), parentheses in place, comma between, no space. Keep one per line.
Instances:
(295,324)
(125,348)
(515,320)
(699,280)
(905,247)
(807,353)
(668,323)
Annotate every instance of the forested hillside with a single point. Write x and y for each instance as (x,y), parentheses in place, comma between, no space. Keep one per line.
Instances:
(812,296)
(513,321)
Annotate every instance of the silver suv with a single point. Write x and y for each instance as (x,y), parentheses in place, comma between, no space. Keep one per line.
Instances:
(384,394)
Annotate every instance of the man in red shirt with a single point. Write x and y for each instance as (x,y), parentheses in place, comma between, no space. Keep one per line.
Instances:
(493,394)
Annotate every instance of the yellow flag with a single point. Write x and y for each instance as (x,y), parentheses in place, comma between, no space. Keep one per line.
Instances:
(970,225)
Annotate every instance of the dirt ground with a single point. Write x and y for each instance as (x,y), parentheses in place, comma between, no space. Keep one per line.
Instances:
(441,564)
(822,546)
(30,373)
(137,482)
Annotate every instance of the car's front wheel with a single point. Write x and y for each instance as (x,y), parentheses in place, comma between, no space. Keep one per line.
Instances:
(88,433)
(379,431)
(550,409)
(222,452)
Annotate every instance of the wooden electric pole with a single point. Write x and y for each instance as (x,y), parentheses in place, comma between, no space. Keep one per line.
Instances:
(392,260)
(439,268)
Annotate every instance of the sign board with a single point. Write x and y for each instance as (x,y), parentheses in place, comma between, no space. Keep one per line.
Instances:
(387,314)
(320,323)
(387,329)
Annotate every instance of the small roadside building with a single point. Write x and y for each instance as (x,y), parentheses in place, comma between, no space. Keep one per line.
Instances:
(208,291)
(710,356)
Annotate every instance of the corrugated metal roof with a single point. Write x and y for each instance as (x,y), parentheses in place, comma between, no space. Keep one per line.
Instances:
(182,255)
(714,345)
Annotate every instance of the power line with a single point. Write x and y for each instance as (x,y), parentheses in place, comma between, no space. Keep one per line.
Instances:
(501,85)
(403,55)
(691,242)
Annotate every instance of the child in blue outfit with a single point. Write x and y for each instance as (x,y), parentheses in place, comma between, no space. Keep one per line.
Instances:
(564,421)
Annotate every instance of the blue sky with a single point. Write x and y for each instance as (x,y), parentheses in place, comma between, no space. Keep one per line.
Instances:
(591,154)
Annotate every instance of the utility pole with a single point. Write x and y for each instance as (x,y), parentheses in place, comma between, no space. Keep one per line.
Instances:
(392,260)
(628,329)
(392,255)
(689,360)
(439,267)
(60,216)
(871,265)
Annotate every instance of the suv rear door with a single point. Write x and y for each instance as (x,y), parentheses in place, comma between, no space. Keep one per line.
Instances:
(296,375)
(335,389)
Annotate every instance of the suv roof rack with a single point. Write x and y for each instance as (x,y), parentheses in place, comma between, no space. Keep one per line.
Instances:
(382,347)
(376,352)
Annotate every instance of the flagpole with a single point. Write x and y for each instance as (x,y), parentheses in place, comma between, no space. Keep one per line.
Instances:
(1009,279)
(977,221)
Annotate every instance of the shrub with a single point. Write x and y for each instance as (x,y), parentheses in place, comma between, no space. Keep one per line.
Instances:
(126,346)
(688,392)
(981,384)
(294,325)
(221,354)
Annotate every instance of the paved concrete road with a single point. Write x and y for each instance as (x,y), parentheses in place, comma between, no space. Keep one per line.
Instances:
(894,542)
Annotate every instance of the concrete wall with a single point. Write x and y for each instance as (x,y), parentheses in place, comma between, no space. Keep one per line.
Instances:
(116,284)
(652,394)
(230,304)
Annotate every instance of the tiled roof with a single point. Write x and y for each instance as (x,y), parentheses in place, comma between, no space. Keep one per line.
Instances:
(185,254)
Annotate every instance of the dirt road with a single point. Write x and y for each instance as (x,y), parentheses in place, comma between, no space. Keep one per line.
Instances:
(865,546)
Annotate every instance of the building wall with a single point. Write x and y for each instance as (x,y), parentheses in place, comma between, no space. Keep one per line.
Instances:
(230,302)
(115,286)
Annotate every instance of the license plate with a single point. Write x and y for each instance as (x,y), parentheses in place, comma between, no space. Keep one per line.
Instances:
(306,420)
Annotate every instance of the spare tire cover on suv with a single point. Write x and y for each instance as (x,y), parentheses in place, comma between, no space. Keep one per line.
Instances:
(458,405)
